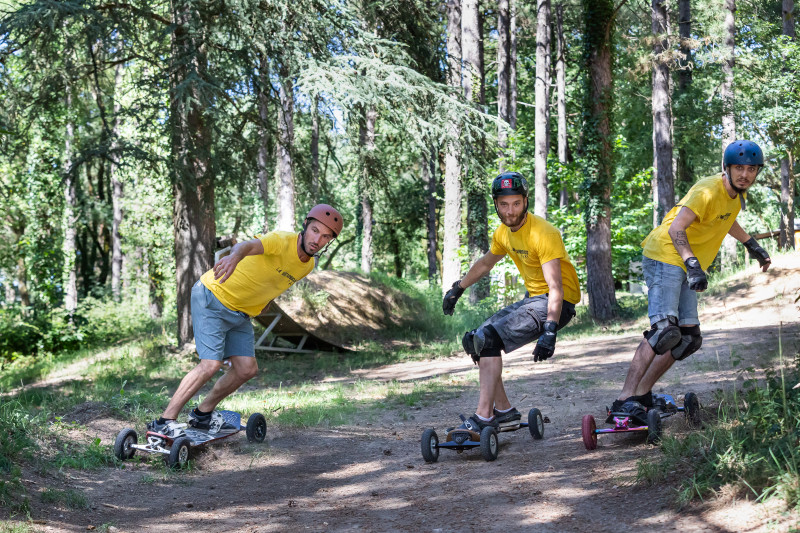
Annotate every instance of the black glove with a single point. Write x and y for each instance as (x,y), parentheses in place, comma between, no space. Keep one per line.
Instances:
(695,276)
(451,297)
(757,252)
(547,342)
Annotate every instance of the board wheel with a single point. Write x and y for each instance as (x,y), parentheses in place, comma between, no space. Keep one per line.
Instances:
(588,428)
(691,408)
(536,423)
(653,426)
(430,445)
(179,453)
(122,446)
(489,445)
(256,428)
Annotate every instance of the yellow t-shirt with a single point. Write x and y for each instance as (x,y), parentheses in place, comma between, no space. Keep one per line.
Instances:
(258,279)
(535,243)
(716,212)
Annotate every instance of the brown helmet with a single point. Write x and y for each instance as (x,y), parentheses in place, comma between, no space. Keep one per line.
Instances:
(329,216)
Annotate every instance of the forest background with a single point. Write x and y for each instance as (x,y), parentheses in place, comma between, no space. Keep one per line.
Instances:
(138,137)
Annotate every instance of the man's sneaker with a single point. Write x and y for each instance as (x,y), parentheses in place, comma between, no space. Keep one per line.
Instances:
(647,399)
(170,428)
(213,422)
(475,424)
(508,419)
(616,408)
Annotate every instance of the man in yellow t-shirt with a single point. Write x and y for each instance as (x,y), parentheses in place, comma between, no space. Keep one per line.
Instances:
(239,286)
(538,252)
(675,255)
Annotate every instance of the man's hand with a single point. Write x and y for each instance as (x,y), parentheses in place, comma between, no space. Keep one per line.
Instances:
(695,276)
(451,297)
(547,342)
(758,253)
(225,267)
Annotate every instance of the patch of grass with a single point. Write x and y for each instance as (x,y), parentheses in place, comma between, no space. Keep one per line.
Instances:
(82,456)
(754,445)
(69,498)
(16,527)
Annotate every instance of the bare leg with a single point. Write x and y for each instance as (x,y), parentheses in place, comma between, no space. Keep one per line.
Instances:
(500,399)
(641,362)
(661,363)
(190,384)
(490,369)
(242,369)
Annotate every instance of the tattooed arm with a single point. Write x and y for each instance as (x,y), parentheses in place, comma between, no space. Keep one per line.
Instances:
(677,232)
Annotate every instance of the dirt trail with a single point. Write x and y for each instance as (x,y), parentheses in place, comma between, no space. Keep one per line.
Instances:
(370,476)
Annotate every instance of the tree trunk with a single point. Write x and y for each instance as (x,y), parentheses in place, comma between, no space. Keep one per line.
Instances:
(367,149)
(265,138)
(194,222)
(685,172)
(155,289)
(599,151)
(477,217)
(542,105)
(503,72)
(451,264)
(70,276)
(117,190)
(561,88)
(286,215)
(512,66)
(428,167)
(728,113)
(315,150)
(663,179)
(22,283)
(786,239)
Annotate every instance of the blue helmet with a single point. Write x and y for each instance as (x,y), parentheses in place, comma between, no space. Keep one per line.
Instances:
(743,152)
(509,183)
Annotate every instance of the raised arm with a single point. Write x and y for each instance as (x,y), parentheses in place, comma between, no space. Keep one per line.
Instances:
(225,266)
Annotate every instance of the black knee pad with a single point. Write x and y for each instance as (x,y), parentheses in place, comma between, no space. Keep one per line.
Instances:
(664,335)
(492,343)
(691,340)
(469,346)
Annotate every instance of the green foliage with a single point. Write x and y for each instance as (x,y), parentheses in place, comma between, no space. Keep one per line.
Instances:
(69,498)
(754,444)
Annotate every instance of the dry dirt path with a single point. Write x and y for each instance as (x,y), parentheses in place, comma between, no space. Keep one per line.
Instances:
(371,477)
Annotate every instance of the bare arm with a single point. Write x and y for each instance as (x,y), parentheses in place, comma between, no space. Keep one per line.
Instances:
(481,267)
(677,232)
(225,266)
(552,275)
(738,233)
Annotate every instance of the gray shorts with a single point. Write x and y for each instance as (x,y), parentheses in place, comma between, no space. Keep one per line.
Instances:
(668,293)
(219,332)
(523,322)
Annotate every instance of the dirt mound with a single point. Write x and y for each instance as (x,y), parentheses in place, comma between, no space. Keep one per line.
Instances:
(346,308)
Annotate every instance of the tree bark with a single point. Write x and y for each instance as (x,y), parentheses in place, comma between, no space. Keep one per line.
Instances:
(685,172)
(451,264)
(663,178)
(542,105)
(194,221)
(599,153)
(155,289)
(503,74)
(286,200)
(315,150)
(512,66)
(70,276)
(477,216)
(727,93)
(786,239)
(117,190)
(561,89)
(428,167)
(367,145)
(265,138)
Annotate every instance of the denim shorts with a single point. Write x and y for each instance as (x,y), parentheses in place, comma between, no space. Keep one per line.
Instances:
(668,293)
(523,321)
(219,332)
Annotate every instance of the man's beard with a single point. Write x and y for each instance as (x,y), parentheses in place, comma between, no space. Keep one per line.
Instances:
(513,223)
